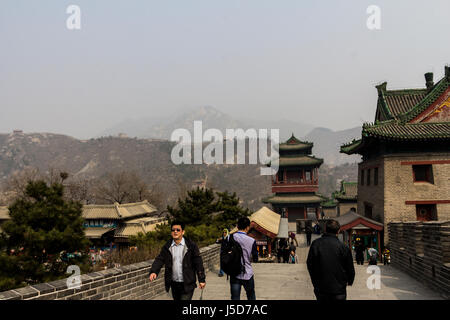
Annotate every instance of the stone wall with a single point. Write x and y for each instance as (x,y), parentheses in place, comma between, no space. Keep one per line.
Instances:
(422,249)
(123,283)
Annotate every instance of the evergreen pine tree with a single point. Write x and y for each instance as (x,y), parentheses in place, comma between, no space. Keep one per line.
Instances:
(230,209)
(43,225)
(196,208)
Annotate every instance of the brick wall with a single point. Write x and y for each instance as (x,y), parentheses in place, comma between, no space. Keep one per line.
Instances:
(124,283)
(330,212)
(345,207)
(396,185)
(400,186)
(422,249)
(371,194)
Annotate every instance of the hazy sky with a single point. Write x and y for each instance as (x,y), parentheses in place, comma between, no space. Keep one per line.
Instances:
(310,61)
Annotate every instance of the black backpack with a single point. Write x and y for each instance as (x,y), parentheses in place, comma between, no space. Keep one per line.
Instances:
(231,258)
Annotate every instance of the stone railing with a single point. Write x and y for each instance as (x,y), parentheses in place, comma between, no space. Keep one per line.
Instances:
(123,283)
(422,249)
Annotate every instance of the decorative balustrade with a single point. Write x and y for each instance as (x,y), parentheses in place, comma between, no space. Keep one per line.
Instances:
(295,182)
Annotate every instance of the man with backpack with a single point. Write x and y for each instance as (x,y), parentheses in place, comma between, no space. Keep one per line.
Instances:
(236,261)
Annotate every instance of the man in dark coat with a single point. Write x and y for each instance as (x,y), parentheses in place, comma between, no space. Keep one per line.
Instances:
(183,264)
(223,245)
(330,265)
(308,231)
(359,250)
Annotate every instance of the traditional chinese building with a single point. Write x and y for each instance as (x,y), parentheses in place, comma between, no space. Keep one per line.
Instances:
(296,183)
(114,223)
(346,197)
(405,170)
(329,209)
(266,227)
(355,226)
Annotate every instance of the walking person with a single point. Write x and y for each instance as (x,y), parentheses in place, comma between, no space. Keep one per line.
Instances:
(283,250)
(279,250)
(249,254)
(386,256)
(373,255)
(330,265)
(308,231)
(293,257)
(292,247)
(293,238)
(183,263)
(223,243)
(317,228)
(359,250)
(286,252)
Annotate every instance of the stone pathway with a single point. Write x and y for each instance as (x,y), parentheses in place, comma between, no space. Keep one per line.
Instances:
(278,281)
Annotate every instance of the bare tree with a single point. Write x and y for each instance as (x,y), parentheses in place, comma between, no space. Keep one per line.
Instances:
(126,186)
(156,196)
(17,182)
(80,189)
(114,187)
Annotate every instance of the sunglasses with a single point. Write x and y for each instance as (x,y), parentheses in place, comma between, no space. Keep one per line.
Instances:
(176,230)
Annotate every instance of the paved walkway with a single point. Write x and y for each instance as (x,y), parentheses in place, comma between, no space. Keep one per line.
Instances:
(278,281)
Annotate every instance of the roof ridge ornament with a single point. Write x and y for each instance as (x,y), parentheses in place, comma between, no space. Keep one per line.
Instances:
(116,205)
(381,88)
(429,80)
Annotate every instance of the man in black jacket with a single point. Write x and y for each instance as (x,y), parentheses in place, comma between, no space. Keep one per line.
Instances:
(183,263)
(330,265)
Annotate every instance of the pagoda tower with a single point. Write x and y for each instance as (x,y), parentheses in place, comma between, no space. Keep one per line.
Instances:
(296,183)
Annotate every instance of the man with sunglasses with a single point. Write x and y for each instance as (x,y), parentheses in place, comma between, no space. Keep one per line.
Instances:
(183,264)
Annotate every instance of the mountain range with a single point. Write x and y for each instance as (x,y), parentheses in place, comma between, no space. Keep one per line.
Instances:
(326,141)
(149,159)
